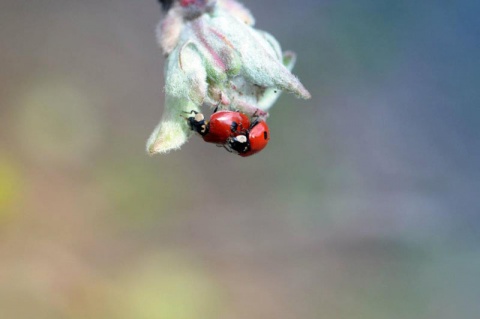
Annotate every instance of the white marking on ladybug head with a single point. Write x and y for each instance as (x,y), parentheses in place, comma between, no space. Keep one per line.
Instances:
(199,117)
(241,139)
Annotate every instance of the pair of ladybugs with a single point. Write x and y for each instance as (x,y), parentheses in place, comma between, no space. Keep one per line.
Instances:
(233,130)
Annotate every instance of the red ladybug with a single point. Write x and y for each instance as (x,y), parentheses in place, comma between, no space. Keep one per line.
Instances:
(251,141)
(222,126)
(225,124)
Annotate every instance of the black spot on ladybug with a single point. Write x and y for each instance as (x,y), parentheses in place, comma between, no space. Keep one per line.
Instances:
(234,126)
(265,135)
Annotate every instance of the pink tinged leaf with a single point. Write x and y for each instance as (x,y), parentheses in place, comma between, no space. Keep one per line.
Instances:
(211,54)
(169,30)
(237,10)
(185,91)
(269,43)
(191,63)
(185,75)
(172,131)
(258,65)
(250,109)
(271,95)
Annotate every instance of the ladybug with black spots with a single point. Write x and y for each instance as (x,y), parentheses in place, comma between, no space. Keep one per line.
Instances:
(221,126)
(232,130)
(251,141)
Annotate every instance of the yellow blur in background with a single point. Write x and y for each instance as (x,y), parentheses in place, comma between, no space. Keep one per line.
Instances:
(10,188)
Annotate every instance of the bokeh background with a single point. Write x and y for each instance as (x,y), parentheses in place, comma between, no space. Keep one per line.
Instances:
(364,205)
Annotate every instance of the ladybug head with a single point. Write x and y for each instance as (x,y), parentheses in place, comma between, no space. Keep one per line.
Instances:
(238,144)
(197,123)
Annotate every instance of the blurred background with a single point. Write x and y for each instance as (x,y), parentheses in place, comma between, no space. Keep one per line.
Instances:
(364,205)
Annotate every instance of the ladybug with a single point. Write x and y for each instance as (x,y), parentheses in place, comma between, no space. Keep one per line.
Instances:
(251,141)
(222,125)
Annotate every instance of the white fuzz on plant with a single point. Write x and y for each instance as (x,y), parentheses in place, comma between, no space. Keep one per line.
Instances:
(216,58)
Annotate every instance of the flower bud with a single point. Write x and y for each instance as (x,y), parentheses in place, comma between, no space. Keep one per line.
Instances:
(216,58)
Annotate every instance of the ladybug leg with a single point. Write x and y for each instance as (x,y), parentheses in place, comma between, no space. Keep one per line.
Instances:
(256,117)
(217,107)
(225,146)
